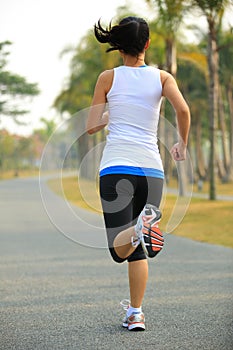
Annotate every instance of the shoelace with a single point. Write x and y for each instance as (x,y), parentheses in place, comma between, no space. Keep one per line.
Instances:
(152,215)
(125,304)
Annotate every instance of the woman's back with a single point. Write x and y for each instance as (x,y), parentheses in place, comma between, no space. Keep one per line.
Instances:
(134,104)
(136,85)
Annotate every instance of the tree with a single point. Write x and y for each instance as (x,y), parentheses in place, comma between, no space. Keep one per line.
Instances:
(170,15)
(191,72)
(226,102)
(213,11)
(47,130)
(6,150)
(88,61)
(13,88)
(16,152)
(196,56)
(169,19)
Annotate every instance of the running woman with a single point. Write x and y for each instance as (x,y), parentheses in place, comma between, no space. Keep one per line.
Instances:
(131,170)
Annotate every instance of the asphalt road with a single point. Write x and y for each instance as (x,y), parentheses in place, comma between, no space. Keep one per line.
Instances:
(57,294)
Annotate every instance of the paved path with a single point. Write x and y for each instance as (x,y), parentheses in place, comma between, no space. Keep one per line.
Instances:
(56,294)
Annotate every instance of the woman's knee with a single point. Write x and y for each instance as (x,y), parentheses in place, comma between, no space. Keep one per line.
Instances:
(115,257)
(138,254)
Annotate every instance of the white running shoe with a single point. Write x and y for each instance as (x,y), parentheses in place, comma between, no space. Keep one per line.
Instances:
(136,321)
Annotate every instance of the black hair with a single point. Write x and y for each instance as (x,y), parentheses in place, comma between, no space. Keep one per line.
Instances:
(130,35)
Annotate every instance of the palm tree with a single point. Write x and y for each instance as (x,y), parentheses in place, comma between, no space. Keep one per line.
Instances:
(170,14)
(226,106)
(169,19)
(213,11)
(192,72)
(88,60)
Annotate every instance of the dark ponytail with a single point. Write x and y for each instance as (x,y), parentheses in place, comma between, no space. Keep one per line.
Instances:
(130,35)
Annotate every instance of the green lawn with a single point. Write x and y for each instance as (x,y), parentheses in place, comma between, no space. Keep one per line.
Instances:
(12,174)
(205,221)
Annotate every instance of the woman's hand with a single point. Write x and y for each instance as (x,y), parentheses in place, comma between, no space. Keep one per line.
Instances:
(105,117)
(178,151)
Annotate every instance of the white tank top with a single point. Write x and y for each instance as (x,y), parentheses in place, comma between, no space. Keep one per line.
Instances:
(134,102)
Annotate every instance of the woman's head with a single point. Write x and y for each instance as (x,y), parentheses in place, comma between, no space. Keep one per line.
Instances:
(129,36)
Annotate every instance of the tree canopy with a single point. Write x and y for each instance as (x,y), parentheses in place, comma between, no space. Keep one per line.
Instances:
(193,76)
(13,87)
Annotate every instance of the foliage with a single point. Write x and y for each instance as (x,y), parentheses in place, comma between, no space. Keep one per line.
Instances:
(211,8)
(193,76)
(170,16)
(225,49)
(46,131)
(6,149)
(89,59)
(16,152)
(13,87)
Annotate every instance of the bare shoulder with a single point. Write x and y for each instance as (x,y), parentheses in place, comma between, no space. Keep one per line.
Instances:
(106,78)
(106,75)
(164,76)
(168,82)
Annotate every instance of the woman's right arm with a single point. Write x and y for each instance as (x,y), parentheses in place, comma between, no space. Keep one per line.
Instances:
(97,119)
(173,94)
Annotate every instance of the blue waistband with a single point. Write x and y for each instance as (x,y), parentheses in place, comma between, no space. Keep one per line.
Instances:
(132,170)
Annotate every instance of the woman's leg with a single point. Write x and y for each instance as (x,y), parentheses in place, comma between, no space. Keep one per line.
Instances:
(138,275)
(137,270)
(120,242)
(123,243)
(149,191)
(117,192)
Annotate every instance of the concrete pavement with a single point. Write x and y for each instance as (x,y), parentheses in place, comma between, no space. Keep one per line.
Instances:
(57,294)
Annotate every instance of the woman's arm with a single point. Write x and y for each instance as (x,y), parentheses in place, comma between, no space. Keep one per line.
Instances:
(97,119)
(173,94)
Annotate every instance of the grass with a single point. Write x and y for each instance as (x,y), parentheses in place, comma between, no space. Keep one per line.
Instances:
(11,174)
(83,193)
(221,188)
(204,221)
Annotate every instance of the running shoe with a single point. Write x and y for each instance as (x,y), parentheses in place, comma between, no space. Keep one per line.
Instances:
(148,232)
(136,321)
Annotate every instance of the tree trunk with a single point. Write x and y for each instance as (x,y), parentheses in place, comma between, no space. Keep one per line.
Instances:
(201,168)
(165,138)
(230,104)
(171,61)
(224,139)
(213,104)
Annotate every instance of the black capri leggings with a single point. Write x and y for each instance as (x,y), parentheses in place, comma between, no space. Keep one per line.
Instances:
(123,197)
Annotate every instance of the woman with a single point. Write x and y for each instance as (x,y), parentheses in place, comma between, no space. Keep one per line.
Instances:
(131,171)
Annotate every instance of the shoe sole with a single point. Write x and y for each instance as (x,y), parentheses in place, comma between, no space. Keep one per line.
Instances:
(144,247)
(136,327)
(147,247)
